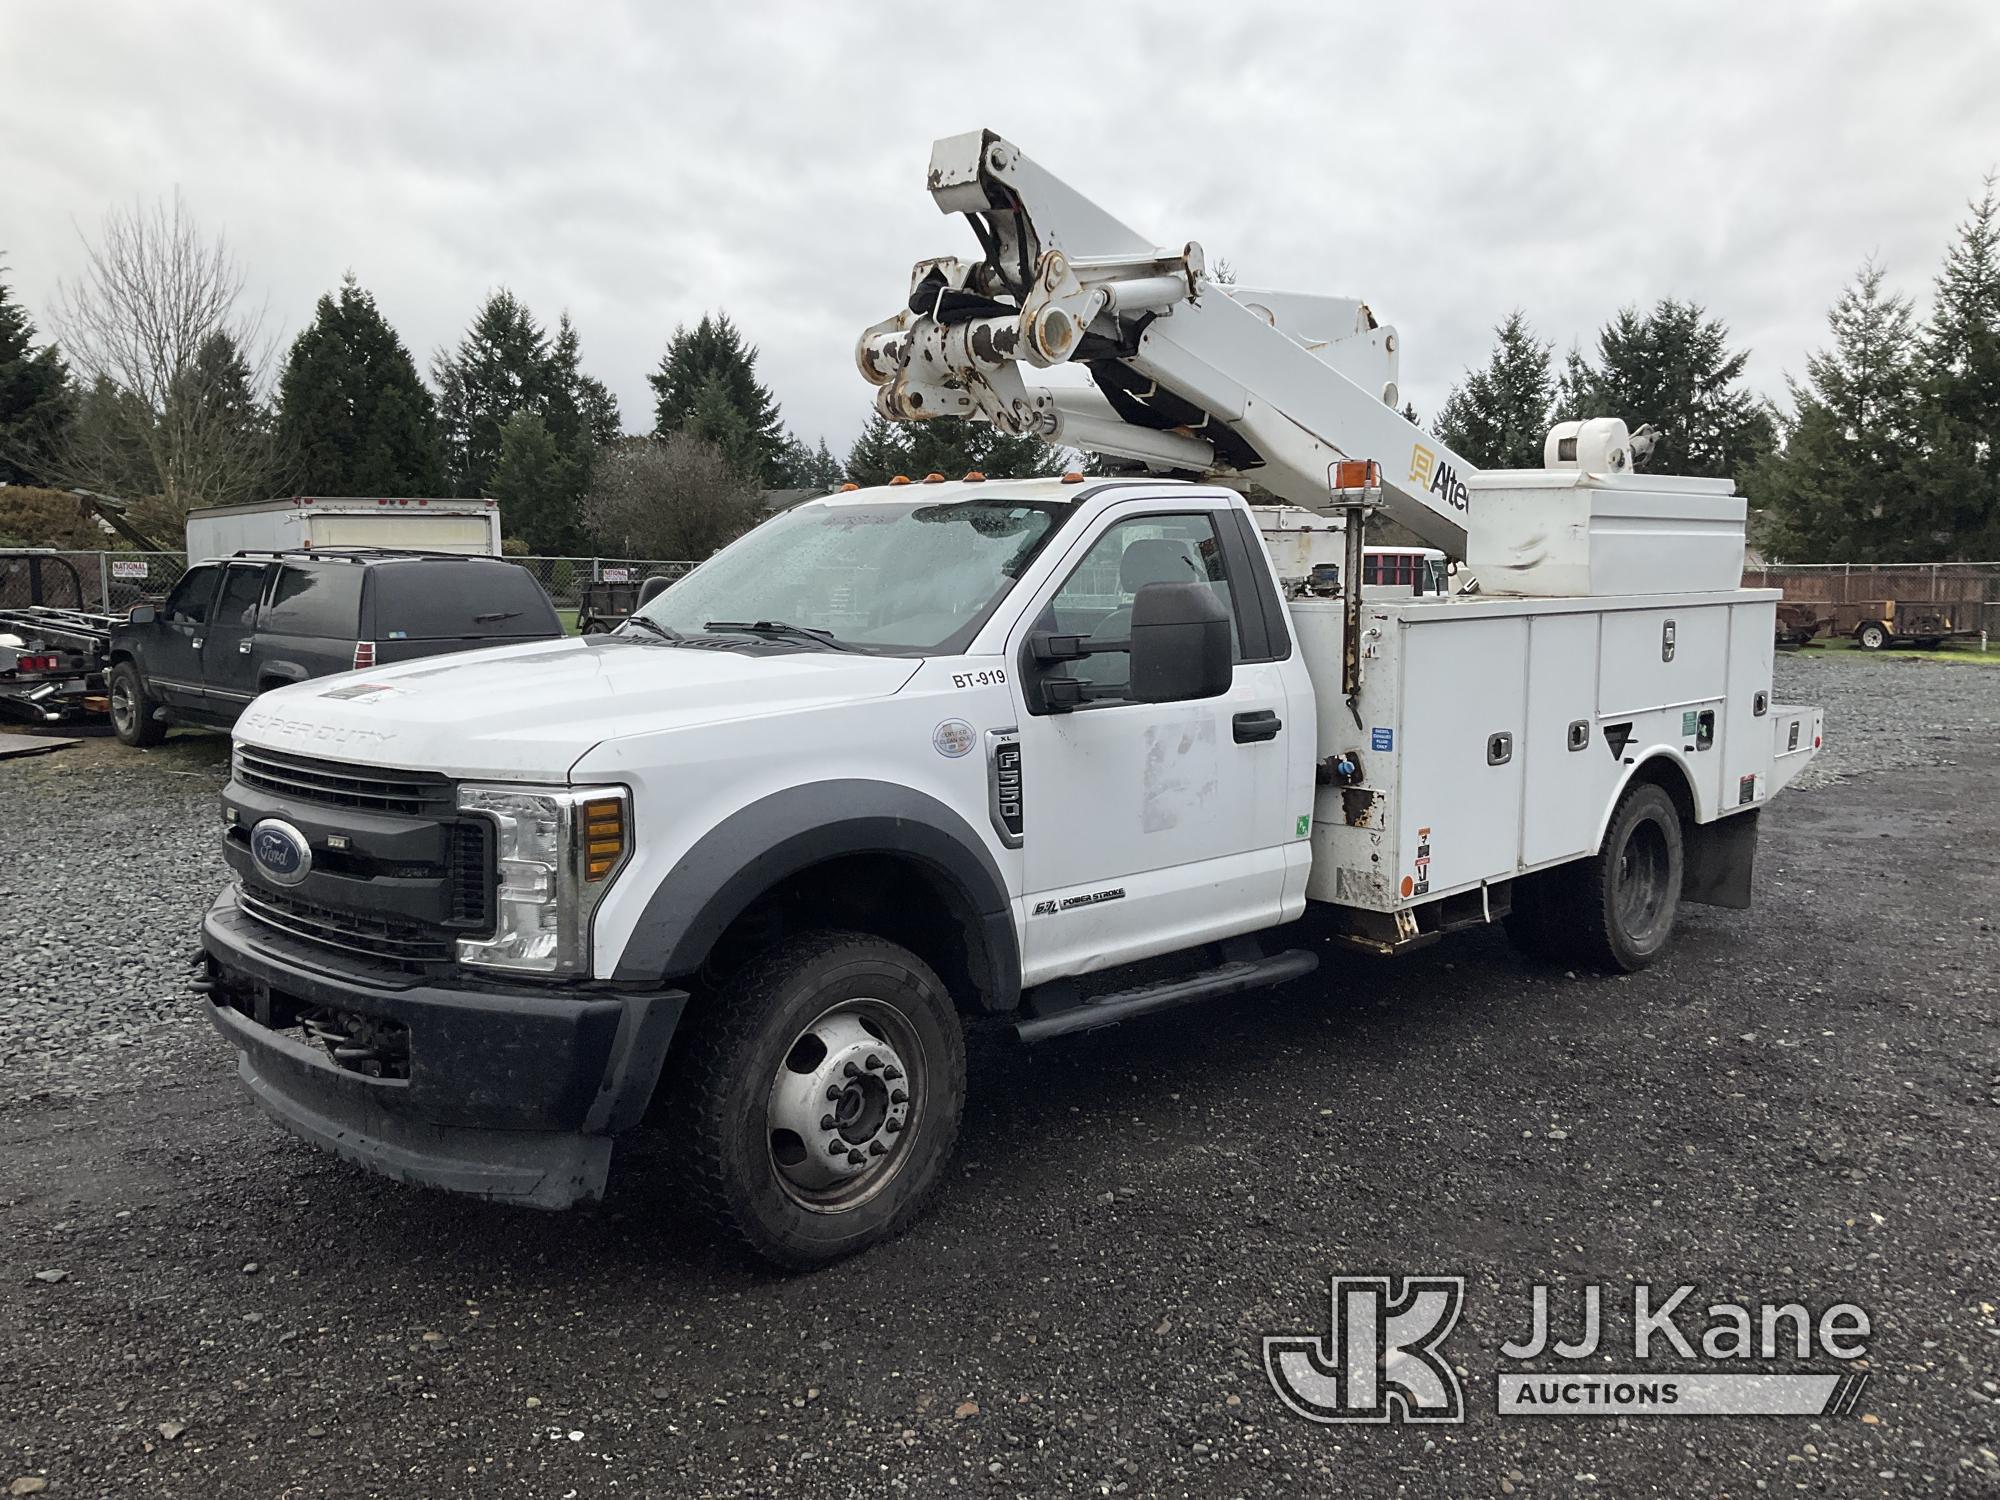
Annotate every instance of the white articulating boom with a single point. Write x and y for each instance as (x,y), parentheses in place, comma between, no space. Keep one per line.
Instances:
(1192,376)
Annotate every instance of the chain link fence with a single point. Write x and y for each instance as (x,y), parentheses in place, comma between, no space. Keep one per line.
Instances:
(112,582)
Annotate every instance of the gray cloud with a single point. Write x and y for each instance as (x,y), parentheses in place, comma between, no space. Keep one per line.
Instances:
(638,164)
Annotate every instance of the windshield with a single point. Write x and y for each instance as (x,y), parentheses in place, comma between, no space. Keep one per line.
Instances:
(890,578)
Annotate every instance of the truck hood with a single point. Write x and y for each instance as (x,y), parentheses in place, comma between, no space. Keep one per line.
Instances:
(532,710)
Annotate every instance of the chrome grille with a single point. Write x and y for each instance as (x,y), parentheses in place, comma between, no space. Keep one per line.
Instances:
(340,784)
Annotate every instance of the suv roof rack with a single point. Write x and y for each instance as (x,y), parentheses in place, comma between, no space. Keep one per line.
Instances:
(360,554)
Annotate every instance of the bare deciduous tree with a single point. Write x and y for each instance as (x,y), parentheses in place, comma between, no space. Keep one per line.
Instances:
(173,374)
(676,496)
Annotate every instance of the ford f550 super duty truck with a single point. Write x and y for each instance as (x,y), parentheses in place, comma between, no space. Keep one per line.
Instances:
(907,756)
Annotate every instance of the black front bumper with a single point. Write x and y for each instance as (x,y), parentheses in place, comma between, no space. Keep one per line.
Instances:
(512,1093)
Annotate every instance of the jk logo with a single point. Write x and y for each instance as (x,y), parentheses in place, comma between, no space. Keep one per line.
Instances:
(1379,1361)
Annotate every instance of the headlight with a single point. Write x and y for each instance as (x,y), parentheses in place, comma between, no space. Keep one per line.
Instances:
(555,853)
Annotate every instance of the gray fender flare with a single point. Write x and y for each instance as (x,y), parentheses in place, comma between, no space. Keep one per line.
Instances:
(778,836)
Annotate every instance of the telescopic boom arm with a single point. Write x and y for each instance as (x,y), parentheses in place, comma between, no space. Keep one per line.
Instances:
(1191,376)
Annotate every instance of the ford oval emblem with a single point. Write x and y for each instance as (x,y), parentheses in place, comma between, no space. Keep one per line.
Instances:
(280,851)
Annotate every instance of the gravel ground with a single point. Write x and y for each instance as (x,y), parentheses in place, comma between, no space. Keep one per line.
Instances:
(1801,1101)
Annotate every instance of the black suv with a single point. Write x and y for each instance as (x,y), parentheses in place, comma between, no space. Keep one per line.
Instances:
(238,626)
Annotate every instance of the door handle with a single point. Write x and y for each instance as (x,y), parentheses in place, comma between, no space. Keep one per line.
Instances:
(1259,724)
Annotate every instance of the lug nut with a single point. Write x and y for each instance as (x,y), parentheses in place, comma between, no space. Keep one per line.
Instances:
(892,1074)
(897,1096)
(876,1148)
(836,1148)
(892,1126)
(855,1158)
(833,1091)
(874,1061)
(849,1070)
(826,1122)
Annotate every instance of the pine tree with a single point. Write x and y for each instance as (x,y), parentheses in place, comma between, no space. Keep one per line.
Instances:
(1961,346)
(1499,417)
(822,469)
(36,402)
(1673,368)
(533,483)
(500,367)
(713,352)
(879,454)
(1845,484)
(951,446)
(354,417)
(507,368)
(715,418)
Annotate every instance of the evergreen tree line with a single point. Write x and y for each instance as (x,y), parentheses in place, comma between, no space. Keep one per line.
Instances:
(207,414)
(1887,451)
(158,390)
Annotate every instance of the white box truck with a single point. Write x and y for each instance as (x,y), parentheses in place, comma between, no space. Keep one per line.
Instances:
(304,522)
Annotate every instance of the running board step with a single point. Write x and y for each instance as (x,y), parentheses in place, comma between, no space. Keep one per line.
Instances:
(1122,1005)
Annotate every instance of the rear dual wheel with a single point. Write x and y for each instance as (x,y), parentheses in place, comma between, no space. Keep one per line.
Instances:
(1615,910)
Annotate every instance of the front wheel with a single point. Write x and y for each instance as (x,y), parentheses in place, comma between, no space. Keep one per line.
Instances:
(1629,894)
(132,708)
(1873,637)
(819,1097)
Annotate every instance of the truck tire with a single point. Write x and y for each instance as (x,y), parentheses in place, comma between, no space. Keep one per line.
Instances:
(1873,636)
(818,1098)
(1625,897)
(132,708)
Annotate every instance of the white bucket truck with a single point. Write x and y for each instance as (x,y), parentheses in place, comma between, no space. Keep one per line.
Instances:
(949,749)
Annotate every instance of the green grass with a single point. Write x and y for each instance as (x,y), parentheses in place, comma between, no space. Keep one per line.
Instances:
(1844,646)
(568,618)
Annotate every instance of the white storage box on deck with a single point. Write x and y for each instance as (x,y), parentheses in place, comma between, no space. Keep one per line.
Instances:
(1566,533)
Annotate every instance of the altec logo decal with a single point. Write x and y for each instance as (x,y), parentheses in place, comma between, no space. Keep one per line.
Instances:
(1438,479)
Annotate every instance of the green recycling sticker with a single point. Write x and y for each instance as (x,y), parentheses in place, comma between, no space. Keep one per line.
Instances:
(1305,826)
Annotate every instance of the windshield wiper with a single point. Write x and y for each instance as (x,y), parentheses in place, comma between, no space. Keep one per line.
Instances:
(664,632)
(779,628)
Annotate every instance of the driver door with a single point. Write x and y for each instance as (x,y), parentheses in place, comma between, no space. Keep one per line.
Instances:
(172,656)
(1149,827)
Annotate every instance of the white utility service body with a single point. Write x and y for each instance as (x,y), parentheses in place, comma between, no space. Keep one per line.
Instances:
(302,522)
(909,755)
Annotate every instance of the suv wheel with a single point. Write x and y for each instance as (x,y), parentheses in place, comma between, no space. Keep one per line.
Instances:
(820,1095)
(132,708)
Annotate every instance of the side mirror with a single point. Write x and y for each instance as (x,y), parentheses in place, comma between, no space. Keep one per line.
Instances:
(1180,643)
(652,588)
(142,614)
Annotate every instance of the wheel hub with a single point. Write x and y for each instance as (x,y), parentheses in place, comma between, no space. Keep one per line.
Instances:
(840,1107)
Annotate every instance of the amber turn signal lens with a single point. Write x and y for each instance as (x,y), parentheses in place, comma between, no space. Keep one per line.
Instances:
(603,837)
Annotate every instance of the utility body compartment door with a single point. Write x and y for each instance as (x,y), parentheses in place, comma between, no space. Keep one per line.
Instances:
(1463,751)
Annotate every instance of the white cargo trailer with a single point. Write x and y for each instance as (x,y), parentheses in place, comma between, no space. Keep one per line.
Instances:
(304,522)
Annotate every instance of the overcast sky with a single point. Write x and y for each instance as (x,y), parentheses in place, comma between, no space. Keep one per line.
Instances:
(639,163)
